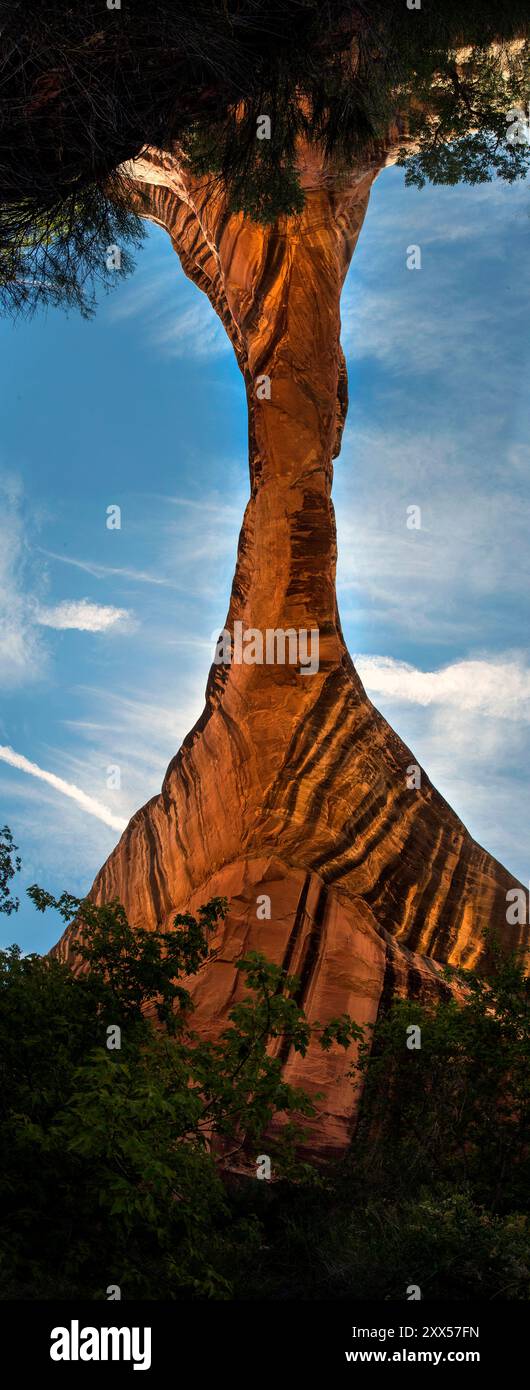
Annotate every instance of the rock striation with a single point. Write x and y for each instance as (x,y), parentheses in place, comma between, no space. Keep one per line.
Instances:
(293,785)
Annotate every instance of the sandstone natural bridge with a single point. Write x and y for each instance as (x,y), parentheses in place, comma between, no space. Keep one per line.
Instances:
(294,786)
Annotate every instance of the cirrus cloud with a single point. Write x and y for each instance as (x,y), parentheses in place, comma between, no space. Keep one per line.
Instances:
(87,803)
(82,615)
(498,687)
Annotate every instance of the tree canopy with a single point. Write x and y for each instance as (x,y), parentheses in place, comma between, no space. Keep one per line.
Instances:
(128,1144)
(116,1118)
(85,88)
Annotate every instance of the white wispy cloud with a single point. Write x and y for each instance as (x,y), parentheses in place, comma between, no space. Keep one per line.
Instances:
(82,615)
(498,687)
(468,725)
(87,803)
(139,732)
(468,565)
(408,334)
(102,571)
(176,316)
(399,216)
(223,511)
(188,556)
(200,534)
(62,847)
(439,319)
(22,653)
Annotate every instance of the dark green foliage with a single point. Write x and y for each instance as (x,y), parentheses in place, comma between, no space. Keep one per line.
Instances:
(460,117)
(84,89)
(9,866)
(58,256)
(269,191)
(113,1161)
(130,968)
(109,1155)
(458,1108)
(436,1188)
(317,1243)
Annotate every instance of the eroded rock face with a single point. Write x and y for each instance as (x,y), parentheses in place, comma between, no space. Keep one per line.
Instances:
(345,965)
(288,774)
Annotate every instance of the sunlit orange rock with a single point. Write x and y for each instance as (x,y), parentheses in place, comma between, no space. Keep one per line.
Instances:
(293,784)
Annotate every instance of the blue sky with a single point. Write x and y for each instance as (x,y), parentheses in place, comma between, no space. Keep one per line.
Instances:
(106,634)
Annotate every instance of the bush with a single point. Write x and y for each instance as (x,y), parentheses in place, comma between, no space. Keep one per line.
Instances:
(115,1118)
(117,1162)
(85,89)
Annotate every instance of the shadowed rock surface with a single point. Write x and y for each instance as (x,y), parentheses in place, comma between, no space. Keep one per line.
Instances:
(294,785)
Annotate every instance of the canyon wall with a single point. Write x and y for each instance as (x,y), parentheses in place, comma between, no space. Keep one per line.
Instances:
(292,786)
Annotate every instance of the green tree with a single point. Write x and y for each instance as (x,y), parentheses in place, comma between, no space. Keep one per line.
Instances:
(435,1190)
(459,117)
(118,1163)
(9,866)
(85,89)
(111,1155)
(456,1109)
(60,254)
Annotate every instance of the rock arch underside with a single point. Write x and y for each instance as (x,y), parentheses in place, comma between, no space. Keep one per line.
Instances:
(290,785)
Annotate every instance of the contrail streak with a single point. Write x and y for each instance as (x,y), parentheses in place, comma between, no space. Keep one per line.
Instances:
(87,803)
